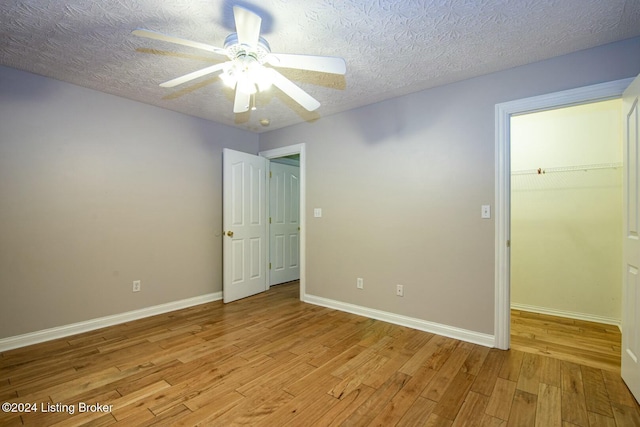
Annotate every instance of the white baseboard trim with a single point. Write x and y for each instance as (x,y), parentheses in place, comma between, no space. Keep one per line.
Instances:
(101,322)
(410,322)
(567,314)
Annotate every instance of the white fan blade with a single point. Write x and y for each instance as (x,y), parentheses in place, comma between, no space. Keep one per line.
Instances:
(191,76)
(247,26)
(292,90)
(324,64)
(241,103)
(159,36)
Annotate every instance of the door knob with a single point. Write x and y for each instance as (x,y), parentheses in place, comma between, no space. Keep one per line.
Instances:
(230,233)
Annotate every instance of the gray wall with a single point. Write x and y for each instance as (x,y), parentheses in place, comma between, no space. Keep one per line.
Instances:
(401,183)
(97,191)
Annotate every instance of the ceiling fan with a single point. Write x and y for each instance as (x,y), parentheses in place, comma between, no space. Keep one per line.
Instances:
(248,53)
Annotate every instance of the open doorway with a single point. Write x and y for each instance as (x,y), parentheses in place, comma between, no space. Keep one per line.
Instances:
(504,112)
(294,154)
(566,241)
(284,219)
(245,221)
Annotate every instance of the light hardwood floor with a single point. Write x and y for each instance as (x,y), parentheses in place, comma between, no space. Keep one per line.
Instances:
(272,360)
(588,343)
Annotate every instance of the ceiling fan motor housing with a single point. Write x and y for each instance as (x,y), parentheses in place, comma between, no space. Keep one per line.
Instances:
(235,50)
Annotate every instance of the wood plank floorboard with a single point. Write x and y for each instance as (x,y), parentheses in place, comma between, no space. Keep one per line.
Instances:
(587,343)
(271,360)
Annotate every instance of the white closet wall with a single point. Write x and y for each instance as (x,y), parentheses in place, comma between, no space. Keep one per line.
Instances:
(566,211)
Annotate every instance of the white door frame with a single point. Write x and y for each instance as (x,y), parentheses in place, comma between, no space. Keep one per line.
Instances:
(289,151)
(504,111)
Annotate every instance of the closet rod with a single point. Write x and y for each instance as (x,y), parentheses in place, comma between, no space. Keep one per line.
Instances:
(585,168)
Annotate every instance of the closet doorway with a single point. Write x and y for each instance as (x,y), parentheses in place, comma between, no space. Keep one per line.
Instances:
(503,114)
(566,240)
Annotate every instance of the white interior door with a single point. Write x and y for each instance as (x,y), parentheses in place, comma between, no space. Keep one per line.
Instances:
(244,225)
(631,281)
(284,227)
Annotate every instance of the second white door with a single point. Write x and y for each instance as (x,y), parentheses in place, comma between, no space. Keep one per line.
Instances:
(284,227)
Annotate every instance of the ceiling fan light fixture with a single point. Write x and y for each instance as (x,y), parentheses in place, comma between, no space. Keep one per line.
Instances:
(246,85)
(228,75)
(246,73)
(261,78)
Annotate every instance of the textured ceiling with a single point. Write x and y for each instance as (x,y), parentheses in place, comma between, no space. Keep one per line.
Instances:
(391,47)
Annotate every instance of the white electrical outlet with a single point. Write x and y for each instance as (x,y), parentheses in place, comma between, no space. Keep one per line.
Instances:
(360,283)
(136,286)
(400,290)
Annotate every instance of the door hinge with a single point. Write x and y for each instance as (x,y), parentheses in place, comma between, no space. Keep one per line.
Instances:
(269,220)
(270,174)
(269,266)
(508,243)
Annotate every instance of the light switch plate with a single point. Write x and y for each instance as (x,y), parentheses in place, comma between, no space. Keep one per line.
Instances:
(486,211)
(317,212)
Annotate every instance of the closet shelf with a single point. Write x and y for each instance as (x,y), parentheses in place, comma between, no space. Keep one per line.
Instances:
(584,168)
